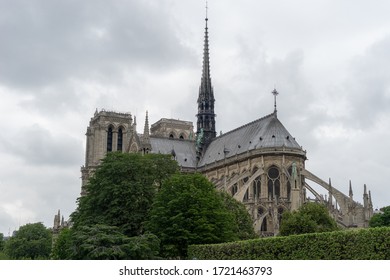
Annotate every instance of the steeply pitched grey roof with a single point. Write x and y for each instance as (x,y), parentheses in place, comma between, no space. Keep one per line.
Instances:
(267,132)
(184,150)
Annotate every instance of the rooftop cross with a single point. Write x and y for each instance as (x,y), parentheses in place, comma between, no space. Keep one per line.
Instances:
(275,93)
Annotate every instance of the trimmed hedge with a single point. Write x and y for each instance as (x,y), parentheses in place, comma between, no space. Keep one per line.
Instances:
(356,244)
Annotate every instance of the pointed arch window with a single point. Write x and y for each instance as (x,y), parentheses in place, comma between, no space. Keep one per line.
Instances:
(109,139)
(257,187)
(120,140)
(234,189)
(273,182)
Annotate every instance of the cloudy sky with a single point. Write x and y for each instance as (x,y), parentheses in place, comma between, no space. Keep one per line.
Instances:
(60,60)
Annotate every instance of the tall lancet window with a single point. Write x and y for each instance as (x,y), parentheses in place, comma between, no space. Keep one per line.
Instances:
(109,139)
(273,182)
(120,140)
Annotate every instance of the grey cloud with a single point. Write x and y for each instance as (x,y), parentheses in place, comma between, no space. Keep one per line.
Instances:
(49,41)
(368,85)
(5,222)
(37,145)
(32,193)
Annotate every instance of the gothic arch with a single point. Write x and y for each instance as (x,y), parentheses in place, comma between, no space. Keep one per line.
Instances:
(172,135)
(273,182)
(234,189)
(256,186)
(183,135)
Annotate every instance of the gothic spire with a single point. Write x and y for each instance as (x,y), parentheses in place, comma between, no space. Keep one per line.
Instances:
(146,146)
(146,127)
(365,197)
(369,199)
(206,116)
(350,189)
(206,87)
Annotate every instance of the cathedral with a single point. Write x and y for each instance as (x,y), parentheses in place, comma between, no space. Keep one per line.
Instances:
(260,163)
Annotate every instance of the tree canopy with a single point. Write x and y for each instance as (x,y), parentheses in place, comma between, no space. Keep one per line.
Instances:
(309,218)
(381,219)
(1,242)
(62,245)
(189,210)
(31,241)
(121,191)
(102,242)
(243,221)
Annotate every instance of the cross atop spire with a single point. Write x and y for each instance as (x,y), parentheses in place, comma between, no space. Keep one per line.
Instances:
(275,93)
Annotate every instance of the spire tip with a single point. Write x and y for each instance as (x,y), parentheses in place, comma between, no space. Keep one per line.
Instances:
(207,9)
(275,93)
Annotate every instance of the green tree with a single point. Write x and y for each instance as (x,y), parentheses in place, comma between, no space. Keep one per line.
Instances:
(381,219)
(188,210)
(311,217)
(1,242)
(121,191)
(102,242)
(243,221)
(62,245)
(31,241)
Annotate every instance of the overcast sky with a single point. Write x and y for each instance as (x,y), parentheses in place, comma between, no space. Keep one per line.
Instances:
(60,60)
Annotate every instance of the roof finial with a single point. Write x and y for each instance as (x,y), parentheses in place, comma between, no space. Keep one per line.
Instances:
(207,9)
(275,93)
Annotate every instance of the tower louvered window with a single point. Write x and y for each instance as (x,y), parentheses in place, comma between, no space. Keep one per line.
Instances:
(109,139)
(120,139)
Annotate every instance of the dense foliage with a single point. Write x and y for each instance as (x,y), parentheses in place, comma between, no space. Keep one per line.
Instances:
(108,222)
(310,218)
(31,241)
(102,242)
(243,221)
(381,219)
(356,244)
(62,245)
(121,191)
(189,210)
(1,242)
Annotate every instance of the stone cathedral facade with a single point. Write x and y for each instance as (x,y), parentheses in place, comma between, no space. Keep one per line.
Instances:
(260,163)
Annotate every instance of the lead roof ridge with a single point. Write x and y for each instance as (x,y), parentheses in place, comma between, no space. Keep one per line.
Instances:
(247,124)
